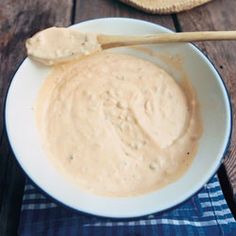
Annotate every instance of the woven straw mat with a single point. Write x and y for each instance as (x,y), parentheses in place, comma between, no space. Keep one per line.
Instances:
(164,6)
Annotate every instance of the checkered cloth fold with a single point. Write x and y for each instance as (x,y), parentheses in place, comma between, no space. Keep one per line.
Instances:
(206,213)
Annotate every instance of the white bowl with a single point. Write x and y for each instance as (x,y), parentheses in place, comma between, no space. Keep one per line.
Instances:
(215,109)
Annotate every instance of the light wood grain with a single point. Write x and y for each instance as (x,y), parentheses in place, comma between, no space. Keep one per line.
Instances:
(18,21)
(110,41)
(91,9)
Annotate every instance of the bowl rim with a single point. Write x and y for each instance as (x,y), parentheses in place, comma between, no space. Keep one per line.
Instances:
(61,203)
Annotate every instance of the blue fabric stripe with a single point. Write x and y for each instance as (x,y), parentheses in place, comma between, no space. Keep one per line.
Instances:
(206,213)
(108,231)
(86,232)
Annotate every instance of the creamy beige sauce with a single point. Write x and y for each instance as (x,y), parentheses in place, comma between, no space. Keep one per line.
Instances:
(117,125)
(55,45)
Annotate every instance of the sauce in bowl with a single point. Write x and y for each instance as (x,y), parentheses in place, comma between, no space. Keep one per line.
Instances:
(117,125)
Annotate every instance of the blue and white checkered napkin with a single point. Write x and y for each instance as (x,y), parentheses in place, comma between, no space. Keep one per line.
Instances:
(206,213)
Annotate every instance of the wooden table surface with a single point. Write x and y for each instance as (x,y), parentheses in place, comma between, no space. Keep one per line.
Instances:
(20,19)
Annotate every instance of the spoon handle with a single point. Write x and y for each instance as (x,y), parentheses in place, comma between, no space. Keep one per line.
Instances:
(108,41)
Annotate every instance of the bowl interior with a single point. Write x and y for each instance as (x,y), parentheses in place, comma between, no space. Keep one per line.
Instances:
(215,110)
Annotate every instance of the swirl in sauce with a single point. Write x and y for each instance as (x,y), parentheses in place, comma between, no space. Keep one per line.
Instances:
(118,125)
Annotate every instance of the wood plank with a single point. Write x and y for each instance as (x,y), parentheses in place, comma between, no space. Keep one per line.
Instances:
(18,21)
(91,9)
(218,15)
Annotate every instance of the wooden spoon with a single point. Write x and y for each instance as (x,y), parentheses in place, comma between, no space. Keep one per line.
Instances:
(109,41)
(57,45)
